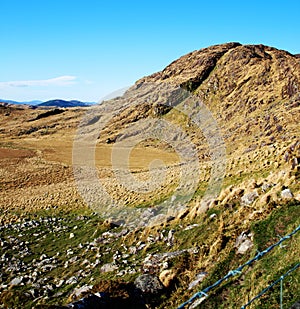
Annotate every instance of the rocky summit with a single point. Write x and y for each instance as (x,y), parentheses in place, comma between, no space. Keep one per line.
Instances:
(147,198)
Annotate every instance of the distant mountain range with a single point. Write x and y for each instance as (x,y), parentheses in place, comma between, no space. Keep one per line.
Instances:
(34,102)
(54,103)
(63,103)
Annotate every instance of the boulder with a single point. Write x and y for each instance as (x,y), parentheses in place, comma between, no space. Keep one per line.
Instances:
(148,284)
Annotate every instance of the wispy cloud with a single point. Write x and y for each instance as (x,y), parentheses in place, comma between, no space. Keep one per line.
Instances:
(57,81)
(89,82)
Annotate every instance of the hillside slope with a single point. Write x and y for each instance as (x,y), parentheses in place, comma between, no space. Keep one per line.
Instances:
(54,242)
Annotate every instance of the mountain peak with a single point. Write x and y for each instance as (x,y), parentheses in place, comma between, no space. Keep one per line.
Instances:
(231,72)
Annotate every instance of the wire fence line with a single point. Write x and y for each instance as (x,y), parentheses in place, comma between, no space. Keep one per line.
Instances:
(271,285)
(202,295)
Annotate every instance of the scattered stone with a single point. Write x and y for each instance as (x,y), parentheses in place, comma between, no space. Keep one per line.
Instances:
(243,242)
(199,278)
(141,246)
(286,194)
(71,235)
(108,267)
(249,198)
(170,238)
(16,281)
(72,280)
(69,252)
(245,246)
(243,236)
(60,283)
(121,273)
(132,250)
(265,187)
(73,259)
(121,233)
(212,216)
(43,256)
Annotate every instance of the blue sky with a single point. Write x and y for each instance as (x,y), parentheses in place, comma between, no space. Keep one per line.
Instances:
(87,49)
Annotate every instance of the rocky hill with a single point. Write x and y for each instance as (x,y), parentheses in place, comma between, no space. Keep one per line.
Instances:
(244,86)
(225,118)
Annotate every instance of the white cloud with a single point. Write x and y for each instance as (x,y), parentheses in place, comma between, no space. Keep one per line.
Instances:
(89,82)
(57,81)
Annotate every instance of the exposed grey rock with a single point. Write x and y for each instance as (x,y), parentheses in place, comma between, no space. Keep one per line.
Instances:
(121,233)
(170,238)
(122,273)
(244,242)
(132,250)
(43,256)
(72,280)
(108,267)
(70,252)
(200,277)
(148,284)
(49,287)
(249,198)
(242,237)
(245,246)
(48,267)
(16,281)
(141,246)
(60,283)
(286,194)
(212,216)
(73,259)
